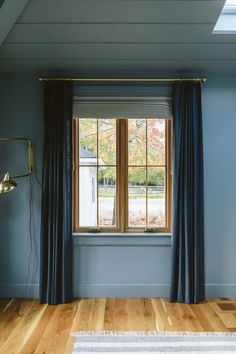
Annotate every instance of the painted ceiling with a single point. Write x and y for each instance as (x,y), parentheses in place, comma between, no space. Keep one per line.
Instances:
(40,36)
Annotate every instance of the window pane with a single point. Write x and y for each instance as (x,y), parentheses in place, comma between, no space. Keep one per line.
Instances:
(88,141)
(137,197)
(137,141)
(156,197)
(156,141)
(107,196)
(88,196)
(107,141)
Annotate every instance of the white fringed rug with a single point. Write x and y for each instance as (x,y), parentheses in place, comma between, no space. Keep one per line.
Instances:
(154,342)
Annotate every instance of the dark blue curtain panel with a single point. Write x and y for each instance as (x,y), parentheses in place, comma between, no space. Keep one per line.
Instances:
(187,278)
(56,225)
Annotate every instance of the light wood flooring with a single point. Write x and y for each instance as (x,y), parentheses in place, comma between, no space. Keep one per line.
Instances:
(29,327)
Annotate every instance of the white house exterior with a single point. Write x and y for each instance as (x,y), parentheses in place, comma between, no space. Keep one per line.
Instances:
(88,188)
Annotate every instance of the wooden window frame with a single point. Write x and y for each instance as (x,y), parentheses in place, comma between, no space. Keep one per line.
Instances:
(122,182)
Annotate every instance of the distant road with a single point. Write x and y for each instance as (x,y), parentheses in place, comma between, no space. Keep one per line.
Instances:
(137,205)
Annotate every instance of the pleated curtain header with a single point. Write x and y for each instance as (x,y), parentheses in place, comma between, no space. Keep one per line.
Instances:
(116,107)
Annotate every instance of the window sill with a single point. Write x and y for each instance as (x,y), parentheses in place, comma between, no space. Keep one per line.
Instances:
(122,239)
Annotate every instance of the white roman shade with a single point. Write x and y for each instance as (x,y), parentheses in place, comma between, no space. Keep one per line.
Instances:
(122,107)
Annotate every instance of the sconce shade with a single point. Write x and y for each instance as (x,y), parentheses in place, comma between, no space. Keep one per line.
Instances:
(7,185)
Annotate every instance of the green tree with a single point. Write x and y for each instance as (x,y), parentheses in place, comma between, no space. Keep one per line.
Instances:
(146,137)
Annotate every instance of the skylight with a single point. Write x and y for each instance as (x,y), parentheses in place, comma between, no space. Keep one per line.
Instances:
(226,23)
(229,7)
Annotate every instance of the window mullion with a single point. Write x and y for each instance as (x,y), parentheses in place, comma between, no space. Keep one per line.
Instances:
(97,178)
(146,176)
(168,173)
(123,173)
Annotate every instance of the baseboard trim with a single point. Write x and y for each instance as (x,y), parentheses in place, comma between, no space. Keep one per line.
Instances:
(146,290)
(19,291)
(115,290)
(220,290)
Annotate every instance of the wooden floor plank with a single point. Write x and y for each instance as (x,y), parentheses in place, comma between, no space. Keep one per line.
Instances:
(28,327)
(229,320)
(71,338)
(121,315)
(196,309)
(96,318)
(15,318)
(149,314)
(109,314)
(11,306)
(32,342)
(4,303)
(23,331)
(85,308)
(173,321)
(215,322)
(55,338)
(162,323)
(136,318)
(180,317)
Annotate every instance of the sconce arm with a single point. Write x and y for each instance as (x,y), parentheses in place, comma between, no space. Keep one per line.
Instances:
(30,154)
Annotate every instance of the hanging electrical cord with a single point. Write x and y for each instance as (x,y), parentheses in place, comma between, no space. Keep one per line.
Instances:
(28,274)
(32,266)
(34,235)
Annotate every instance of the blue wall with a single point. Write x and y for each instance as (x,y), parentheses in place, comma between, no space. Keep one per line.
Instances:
(119,265)
(219,124)
(21,115)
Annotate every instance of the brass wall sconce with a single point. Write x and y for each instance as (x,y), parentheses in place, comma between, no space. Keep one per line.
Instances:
(7,184)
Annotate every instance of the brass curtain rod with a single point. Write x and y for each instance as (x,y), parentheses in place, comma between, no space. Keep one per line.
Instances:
(203,79)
